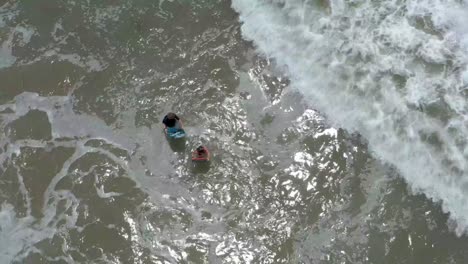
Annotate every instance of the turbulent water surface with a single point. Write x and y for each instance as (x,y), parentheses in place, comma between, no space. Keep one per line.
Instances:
(337,128)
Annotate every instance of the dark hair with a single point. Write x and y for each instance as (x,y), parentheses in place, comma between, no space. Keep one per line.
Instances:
(201,149)
(171,115)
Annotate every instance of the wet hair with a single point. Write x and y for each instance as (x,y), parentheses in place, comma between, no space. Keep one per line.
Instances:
(201,149)
(171,115)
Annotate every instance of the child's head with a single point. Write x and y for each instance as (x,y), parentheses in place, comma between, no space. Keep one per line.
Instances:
(171,115)
(201,149)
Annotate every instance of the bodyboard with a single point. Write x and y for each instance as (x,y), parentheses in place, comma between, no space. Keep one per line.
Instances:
(175,133)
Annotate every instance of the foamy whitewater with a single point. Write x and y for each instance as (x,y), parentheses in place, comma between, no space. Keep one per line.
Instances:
(395,71)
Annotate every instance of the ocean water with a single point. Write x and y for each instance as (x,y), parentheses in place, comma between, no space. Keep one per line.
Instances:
(337,130)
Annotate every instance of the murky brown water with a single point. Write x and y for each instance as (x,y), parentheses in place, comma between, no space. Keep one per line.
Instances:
(88,177)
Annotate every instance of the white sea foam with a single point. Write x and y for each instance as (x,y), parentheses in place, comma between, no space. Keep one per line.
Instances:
(6,57)
(11,36)
(396,72)
(17,235)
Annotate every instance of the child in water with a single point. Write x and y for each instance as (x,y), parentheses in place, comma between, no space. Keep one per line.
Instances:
(201,154)
(172,122)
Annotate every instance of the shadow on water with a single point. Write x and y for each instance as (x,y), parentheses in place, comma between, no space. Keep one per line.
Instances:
(200,167)
(177,145)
